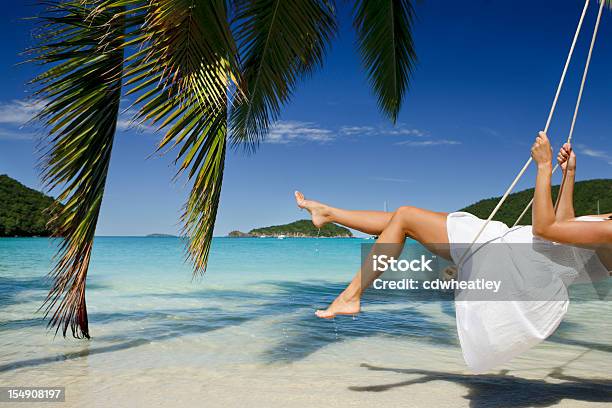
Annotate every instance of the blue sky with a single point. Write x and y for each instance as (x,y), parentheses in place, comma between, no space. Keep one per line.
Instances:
(485,79)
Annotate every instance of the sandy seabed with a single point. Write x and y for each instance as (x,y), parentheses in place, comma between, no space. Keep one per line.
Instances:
(218,370)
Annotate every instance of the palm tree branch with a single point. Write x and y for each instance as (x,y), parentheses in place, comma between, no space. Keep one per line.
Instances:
(280,42)
(181,77)
(81,92)
(384,39)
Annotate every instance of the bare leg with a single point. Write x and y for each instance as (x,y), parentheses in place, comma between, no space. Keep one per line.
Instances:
(368,222)
(427,227)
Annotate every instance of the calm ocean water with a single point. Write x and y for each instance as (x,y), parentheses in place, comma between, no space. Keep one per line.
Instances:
(253,308)
(146,283)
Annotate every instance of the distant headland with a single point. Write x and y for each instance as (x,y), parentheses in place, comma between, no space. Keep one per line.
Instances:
(297,229)
(23,211)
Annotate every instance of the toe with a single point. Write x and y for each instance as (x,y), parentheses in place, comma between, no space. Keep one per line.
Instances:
(324,314)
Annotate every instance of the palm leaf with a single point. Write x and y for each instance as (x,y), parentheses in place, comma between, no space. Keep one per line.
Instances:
(186,50)
(183,72)
(201,208)
(279,42)
(385,43)
(81,93)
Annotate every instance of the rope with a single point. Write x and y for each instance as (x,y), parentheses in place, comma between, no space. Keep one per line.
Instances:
(576,109)
(567,63)
(550,115)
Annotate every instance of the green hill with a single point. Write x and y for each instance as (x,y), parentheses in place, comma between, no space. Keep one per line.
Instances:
(22,210)
(302,228)
(586,194)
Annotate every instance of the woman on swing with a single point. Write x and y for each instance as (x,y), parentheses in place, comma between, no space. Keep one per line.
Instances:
(475,323)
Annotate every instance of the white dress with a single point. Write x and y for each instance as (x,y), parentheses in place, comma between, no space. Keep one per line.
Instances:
(492,332)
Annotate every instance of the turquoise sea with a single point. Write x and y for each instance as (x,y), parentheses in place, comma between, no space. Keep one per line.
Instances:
(246,331)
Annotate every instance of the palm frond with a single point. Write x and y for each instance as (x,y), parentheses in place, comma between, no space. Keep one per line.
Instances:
(81,92)
(201,208)
(183,72)
(279,42)
(385,43)
(186,52)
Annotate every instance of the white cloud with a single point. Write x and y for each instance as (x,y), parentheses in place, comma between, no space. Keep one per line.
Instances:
(14,115)
(403,131)
(598,154)
(127,122)
(293,131)
(592,153)
(15,134)
(427,143)
(18,112)
(399,130)
(357,130)
(124,124)
(408,136)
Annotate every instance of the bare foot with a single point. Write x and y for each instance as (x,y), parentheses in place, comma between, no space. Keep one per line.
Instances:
(340,306)
(320,212)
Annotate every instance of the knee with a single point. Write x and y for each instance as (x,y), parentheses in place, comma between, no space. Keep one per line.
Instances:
(405,212)
(403,216)
(406,218)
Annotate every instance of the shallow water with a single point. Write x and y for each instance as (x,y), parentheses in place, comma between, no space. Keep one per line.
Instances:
(246,332)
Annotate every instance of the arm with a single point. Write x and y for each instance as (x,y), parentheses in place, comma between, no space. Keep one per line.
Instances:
(567,161)
(543,215)
(545,224)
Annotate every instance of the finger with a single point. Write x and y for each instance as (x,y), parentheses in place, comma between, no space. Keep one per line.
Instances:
(543,136)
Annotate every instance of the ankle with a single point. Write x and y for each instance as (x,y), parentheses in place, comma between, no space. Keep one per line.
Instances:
(351,296)
(329,213)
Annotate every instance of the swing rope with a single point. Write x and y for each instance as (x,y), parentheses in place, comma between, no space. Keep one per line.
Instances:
(550,116)
(576,109)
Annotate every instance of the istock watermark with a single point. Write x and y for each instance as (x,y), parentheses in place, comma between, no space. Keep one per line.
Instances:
(492,271)
(437,284)
(383,263)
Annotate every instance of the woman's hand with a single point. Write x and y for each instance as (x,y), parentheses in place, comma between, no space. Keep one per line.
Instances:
(566,158)
(541,151)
